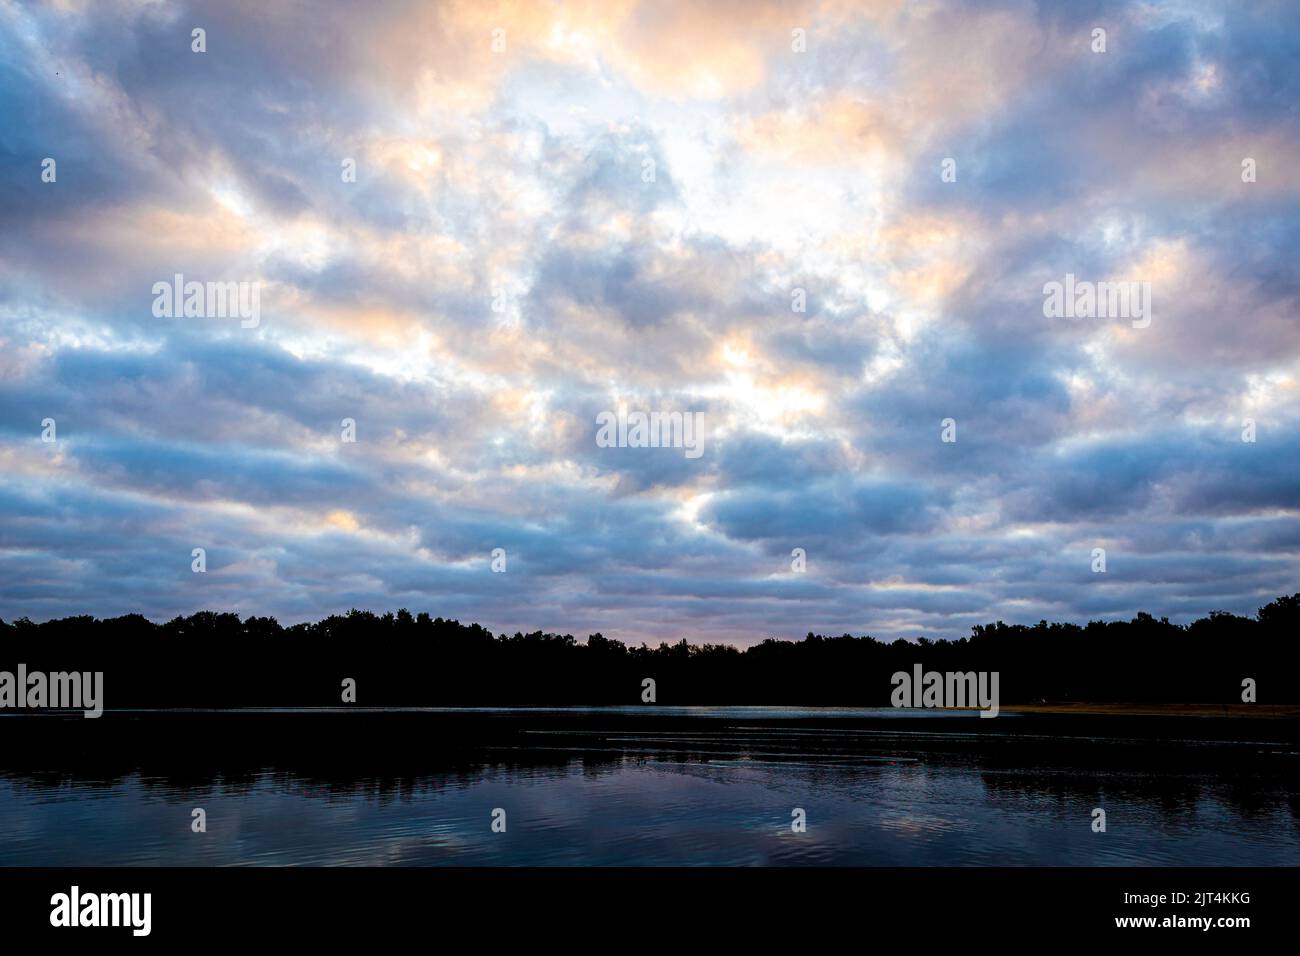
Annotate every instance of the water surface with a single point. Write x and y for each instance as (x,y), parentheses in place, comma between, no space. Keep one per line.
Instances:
(688,786)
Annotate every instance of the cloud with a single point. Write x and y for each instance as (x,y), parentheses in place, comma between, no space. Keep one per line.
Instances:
(505,267)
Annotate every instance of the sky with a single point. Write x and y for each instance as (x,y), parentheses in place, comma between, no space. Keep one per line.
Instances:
(475,227)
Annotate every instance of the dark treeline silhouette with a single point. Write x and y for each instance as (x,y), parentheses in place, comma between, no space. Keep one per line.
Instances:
(218,660)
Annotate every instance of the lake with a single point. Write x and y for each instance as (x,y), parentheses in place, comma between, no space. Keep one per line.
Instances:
(645,786)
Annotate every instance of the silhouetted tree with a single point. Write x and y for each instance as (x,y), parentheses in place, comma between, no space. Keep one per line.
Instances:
(215,659)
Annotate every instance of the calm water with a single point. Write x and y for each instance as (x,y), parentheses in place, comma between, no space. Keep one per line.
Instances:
(711,790)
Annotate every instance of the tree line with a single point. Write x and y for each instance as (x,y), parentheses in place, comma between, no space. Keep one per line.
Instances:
(213,659)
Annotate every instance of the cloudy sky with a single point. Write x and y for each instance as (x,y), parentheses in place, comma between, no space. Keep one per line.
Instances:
(614,207)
